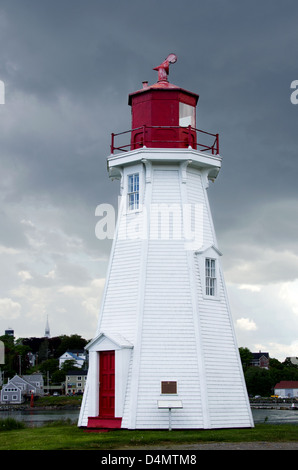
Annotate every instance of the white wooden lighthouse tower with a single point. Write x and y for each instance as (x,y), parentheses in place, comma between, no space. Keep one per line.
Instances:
(165,346)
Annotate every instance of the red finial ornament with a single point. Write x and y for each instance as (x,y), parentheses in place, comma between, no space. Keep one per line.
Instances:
(163,68)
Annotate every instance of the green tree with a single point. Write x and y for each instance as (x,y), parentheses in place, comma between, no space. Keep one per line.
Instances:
(50,365)
(70,343)
(21,360)
(258,381)
(290,371)
(59,375)
(246,357)
(43,351)
(16,357)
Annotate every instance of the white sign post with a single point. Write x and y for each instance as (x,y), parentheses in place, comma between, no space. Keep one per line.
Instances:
(162,404)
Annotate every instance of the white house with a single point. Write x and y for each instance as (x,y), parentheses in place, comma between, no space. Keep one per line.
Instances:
(165,344)
(78,356)
(286,389)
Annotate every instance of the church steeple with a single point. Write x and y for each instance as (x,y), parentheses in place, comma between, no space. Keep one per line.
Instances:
(47,329)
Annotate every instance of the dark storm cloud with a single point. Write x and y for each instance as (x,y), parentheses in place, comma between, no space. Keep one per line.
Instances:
(237,55)
(75,63)
(68,67)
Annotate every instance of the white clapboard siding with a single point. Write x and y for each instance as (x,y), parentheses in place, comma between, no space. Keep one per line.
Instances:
(226,391)
(84,410)
(154,299)
(120,305)
(168,341)
(196,194)
(128,397)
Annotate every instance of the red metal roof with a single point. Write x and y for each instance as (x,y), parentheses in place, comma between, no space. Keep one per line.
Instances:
(161,86)
(287,384)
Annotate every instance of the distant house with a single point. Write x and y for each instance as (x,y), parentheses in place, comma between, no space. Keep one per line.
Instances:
(293,360)
(10,393)
(79,356)
(286,389)
(75,381)
(19,387)
(260,359)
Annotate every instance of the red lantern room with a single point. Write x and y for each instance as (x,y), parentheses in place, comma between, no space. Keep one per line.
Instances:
(164,116)
(163,112)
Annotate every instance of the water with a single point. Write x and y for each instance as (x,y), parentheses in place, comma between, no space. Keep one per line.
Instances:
(36,417)
(275,416)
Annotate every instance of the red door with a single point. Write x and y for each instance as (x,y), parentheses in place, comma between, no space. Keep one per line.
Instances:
(107,384)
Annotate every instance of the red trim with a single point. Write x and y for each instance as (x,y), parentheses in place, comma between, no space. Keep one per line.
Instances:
(104,423)
(175,137)
(107,384)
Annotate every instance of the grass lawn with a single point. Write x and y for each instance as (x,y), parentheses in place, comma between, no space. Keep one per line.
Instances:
(69,437)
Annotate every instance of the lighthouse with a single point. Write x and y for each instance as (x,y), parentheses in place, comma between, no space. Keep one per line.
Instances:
(164,355)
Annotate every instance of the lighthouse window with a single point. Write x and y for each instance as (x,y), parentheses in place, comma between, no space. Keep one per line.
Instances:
(186,115)
(133,192)
(210,273)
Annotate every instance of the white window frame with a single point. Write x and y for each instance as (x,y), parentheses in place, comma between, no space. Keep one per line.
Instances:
(133,191)
(211,277)
(201,256)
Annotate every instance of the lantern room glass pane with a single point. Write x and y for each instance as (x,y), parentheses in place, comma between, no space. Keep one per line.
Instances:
(186,115)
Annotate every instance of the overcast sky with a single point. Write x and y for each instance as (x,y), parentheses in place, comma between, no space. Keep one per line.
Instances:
(68,67)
